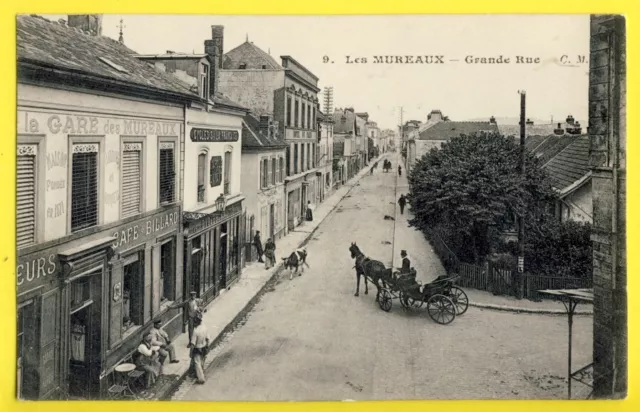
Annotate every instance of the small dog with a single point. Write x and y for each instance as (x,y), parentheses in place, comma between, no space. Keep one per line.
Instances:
(296,259)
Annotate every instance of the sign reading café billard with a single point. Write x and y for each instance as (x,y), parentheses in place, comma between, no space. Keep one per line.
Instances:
(213,135)
(38,267)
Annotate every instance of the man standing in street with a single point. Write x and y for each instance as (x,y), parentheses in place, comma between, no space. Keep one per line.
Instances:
(193,311)
(161,339)
(402,201)
(258,243)
(270,254)
(399,170)
(199,344)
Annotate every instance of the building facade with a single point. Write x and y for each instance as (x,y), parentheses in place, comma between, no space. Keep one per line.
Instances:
(287,92)
(263,171)
(325,154)
(213,208)
(608,137)
(99,215)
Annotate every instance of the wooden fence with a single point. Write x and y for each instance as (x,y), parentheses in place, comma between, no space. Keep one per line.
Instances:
(499,280)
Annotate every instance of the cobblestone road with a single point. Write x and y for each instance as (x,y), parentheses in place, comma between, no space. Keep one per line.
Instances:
(311,339)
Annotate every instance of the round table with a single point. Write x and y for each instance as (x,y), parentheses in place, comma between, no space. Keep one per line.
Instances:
(125,367)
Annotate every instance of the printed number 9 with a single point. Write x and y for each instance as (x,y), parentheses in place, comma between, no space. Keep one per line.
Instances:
(325,59)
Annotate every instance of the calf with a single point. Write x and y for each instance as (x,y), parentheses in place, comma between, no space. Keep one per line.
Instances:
(296,259)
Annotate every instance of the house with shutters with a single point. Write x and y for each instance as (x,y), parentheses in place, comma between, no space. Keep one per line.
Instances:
(99,216)
(263,174)
(214,214)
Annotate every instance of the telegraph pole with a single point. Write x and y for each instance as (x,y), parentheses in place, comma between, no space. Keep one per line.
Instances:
(523,97)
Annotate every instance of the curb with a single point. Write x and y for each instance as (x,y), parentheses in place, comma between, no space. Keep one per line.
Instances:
(278,268)
(512,309)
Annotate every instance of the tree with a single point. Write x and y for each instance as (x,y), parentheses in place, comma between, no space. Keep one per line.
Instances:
(471,183)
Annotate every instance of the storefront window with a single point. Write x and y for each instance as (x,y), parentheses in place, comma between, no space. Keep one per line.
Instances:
(133,293)
(196,263)
(167,272)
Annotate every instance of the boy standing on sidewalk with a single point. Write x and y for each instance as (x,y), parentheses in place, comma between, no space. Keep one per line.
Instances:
(270,254)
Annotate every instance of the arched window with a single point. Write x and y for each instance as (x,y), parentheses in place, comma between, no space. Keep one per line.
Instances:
(202,166)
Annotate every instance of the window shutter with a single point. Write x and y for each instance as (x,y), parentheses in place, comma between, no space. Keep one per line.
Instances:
(167,172)
(215,171)
(26,195)
(269,173)
(131,179)
(84,186)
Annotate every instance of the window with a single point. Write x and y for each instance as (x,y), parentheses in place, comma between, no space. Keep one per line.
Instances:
(313,118)
(263,173)
(167,172)
(295,158)
(274,171)
(133,292)
(296,114)
(308,155)
(204,81)
(215,171)
(289,111)
(281,175)
(131,179)
(309,124)
(313,155)
(84,186)
(302,156)
(227,173)
(243,66)
(26,195)
(202,164)
(288,154)
(302,117)
(167,272)
(264,66)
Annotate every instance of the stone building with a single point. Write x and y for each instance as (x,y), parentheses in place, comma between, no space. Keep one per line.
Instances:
(287,91)
(325,154)
(608,136)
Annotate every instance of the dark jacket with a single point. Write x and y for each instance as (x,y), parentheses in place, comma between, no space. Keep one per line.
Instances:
(406,265)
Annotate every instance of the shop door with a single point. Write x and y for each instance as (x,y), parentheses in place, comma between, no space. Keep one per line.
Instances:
(84,338)
(224,240)
(272,215)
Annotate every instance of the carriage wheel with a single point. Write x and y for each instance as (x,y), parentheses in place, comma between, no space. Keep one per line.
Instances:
(441,309)
(460,299)
(385,300)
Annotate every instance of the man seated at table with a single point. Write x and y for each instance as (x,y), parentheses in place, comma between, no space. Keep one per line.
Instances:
(161,339)
(146,359)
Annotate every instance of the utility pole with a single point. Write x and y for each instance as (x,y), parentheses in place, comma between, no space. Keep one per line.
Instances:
(523,97)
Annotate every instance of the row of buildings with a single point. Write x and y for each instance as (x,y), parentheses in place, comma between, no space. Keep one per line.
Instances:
(563,150)
(141,178)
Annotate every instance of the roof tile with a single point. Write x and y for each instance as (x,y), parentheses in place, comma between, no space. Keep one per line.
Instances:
(447,130)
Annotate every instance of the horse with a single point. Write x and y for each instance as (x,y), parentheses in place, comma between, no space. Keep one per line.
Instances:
(295,259)
(372,270)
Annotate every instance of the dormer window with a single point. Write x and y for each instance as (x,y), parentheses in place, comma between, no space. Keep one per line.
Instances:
(243,66)
(264,66)
(204,81)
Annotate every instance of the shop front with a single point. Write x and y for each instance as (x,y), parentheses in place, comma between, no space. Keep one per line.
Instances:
(213,256)
(84,302)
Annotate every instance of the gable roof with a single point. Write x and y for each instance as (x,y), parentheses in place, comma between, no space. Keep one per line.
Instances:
(251,55)
(253,139)
(447,130)
(48,44)
(570,164)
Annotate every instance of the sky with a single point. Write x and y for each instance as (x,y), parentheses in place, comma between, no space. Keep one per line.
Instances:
(461,91)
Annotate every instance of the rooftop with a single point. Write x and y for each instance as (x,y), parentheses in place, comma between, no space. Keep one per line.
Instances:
(344,122)
(254,139)
(251,56)
(448,130)
(47,44)
(570,164)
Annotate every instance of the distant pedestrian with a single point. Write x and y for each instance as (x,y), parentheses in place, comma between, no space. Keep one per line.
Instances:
(402,201)
(199,344)
(399,170)
(270,254)
(258,243)
(309,212)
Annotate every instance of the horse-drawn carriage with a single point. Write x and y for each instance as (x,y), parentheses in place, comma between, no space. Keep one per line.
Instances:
(444,300)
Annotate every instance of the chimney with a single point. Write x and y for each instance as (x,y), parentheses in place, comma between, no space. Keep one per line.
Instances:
(570,120)
(91,23)
(529,122)
(559,130)
(217,35)
(170,52)
(212,50)
(492,120)
(264,125)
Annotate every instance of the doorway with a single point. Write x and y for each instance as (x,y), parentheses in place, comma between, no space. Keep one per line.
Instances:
(223,255)
(303,202)
(84,338)
(271,220)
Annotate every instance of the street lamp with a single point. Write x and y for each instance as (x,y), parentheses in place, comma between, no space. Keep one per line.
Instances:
(221,203)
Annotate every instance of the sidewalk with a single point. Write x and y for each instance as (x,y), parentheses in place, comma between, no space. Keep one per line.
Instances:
(228,310)
(429,267)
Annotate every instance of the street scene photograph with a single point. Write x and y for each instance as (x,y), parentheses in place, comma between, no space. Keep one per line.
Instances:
(321,208)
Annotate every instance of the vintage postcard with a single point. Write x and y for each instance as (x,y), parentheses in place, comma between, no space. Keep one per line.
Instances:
(303,208)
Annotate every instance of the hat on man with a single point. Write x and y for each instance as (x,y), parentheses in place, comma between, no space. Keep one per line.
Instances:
(193,293)
(403,253)
(157,323)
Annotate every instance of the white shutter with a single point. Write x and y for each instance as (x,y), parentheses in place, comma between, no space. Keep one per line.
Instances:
(269,175)
(131,179)
(26,196)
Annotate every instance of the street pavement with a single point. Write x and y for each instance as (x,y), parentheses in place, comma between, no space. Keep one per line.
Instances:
(310,339)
